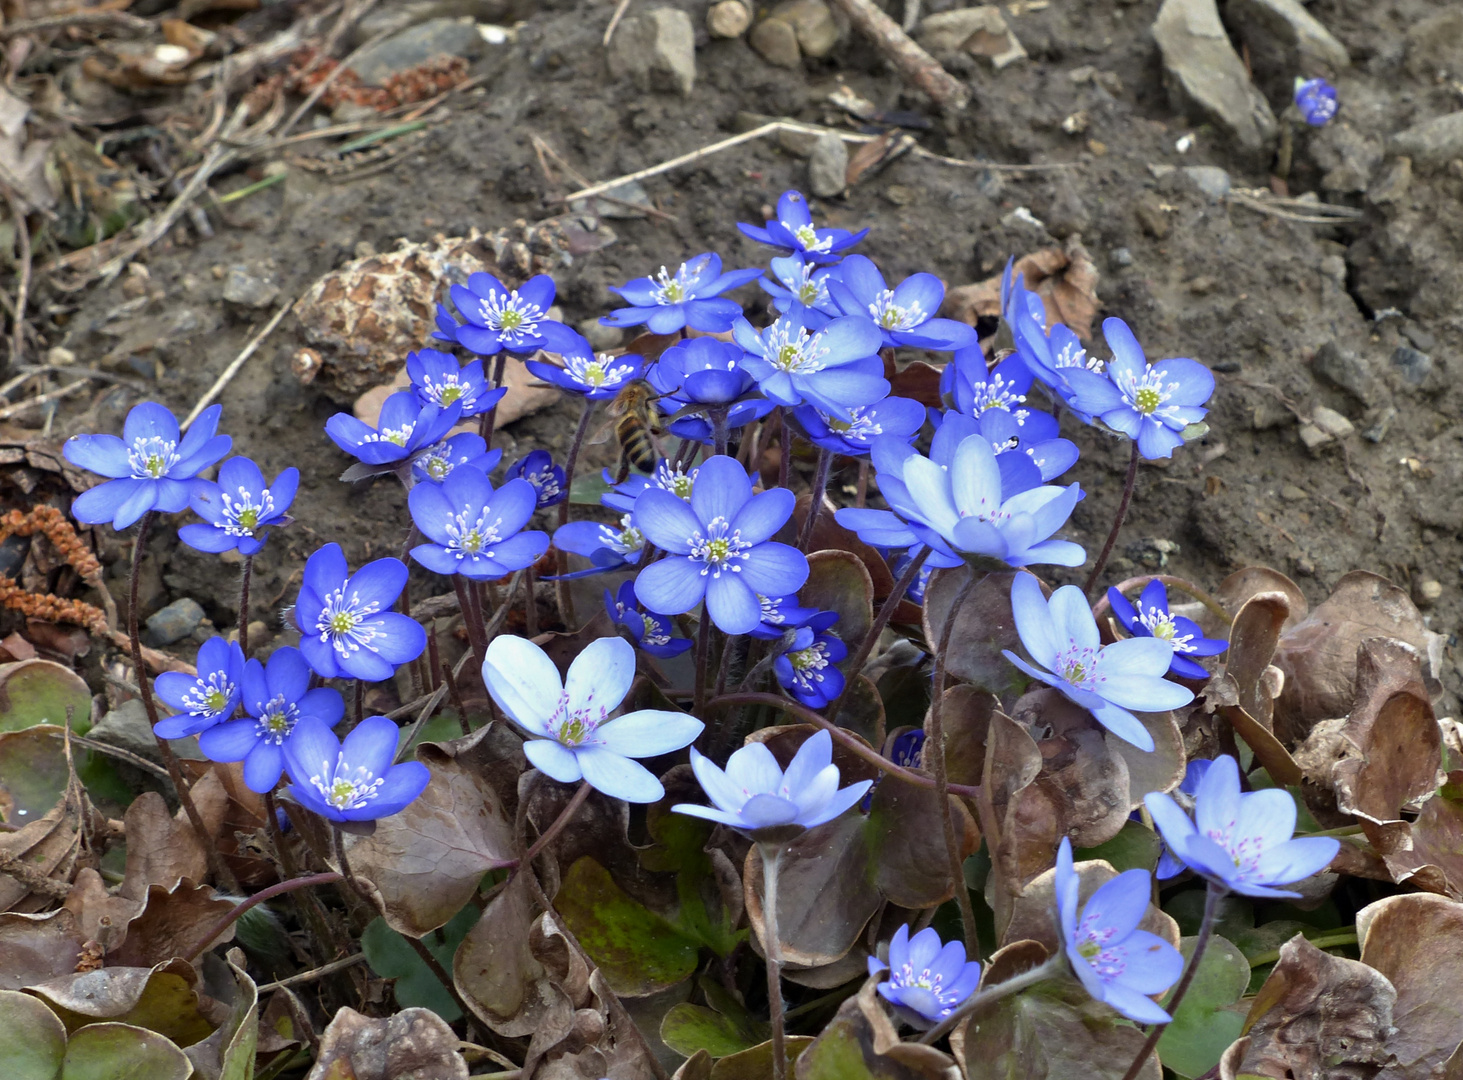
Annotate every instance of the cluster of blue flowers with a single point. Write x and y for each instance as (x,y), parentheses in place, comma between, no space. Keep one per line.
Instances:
(696,533)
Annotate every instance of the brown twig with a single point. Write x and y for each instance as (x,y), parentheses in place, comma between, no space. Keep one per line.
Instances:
(238,362)
(914,64)
(314,973)
(114,20)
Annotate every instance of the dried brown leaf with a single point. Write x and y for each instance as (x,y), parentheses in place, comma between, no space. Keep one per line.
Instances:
(1318,1017)
(496,972)
(828,535)
(1428,852)
(1244,690)
(1236,589)
(861,1043)
(1085,781)
(839,581)
(101,915)
(172,922)
(1033,915)
(415,1044)
(1066,281)
(35,948)
(984,626)
(161,849)
(168,999)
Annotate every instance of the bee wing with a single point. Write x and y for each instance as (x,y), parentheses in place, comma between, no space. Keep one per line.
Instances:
(602,433)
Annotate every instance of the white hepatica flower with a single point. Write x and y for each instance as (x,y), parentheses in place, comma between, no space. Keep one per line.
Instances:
(572,734)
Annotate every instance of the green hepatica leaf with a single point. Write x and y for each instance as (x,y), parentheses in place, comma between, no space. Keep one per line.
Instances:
(638,951)
(416,984)
(1135,847)
(123,1052)
(39,692)
(688,1028)
(32,1038)
(680,849)
(1204,1025)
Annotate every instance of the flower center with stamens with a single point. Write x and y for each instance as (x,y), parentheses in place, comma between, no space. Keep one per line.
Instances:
(672,288)
(677,481)
(997,393)
(1147,394)
(1094,945)
(151,458)
(447,391)
(209,696)
(892,316)
(242,514)
(1078,666)
(277,719)
(345,788)
(860,428)
(771,609)
(807,238)
(397,436)
(792,349)
(468,541)
(809,290)
(511,315)
(597,371)
(573,727)
(1072,355)
(720,548)
(1161,625)
(343,622)
(655,632)
(808,664)
(545,483)
(624,541)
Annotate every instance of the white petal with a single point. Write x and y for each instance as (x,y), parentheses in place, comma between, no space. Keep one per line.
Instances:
(523,681)
(754,770)
(619,777)
(600,675)
(553,759)
(648,733)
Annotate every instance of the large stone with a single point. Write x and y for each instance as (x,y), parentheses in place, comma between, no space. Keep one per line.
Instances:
(813,22)
(126,727)
(828,166)
(400,14)
(1346,371)
(416,45)
(980,31)
(174,622)
(656,51)
(1284,39)
(1433,142)
(1206,75)
(777,43)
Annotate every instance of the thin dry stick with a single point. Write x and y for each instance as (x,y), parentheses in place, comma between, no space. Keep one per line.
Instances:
(238,362)
(615,21)
(325,83)
(22,288)
(314,973)
(41,399)
(914,64)
(114,20)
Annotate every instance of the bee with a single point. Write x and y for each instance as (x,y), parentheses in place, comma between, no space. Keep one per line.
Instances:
(635,420)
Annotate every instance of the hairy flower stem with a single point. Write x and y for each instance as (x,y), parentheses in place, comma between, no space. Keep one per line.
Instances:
(815,506)
(258,898)
(720,433)
(470,618)
(772,944)
(1014,985)
(1117,522)
(1212,897)
(936,741)
(221,873)
(784,464)
(485,425)
(554,829)
(881,620)
(248,572)
(861,499)
(306,906)
(562,595)
(703,659)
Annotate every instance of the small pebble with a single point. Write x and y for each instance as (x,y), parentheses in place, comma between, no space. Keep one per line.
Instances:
(174,622)
(1428,592)
(1120,257)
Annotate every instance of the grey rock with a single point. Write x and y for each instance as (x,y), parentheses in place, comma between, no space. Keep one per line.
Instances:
(1312,436)
(728,19)
(1120,257)
(401,14)
(980,31)
(126,727)
(1334,267)
(1435,45)
(1348,155)
(777,43)
(601,338)
(828,167)
(798,143)
(1210,179)
(1284,38)
(248,287)
(1152,552)
(1331,422)
(1379,427)
(1204,73)
(174,622)
(1433,142)
(1346,371)
(1419,337)
(813,22)
(1414,364)
(656,51)
(1394,184)
(416,45)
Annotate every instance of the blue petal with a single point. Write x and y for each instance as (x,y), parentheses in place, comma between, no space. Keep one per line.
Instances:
(672,586)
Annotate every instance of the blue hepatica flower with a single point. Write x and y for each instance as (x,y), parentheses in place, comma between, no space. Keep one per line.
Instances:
(780,614)
(608,547)
(205,699)
(347,627)
(792,231)
(928,979)
(679,480)
(538,469)
(1150,403)
(1316,99)
(894,417)
(754,793)
(908,749)
(1106,680)
(593,376)
(916,591)
(276,696)
(239,509)
(464,448)
(996,399)
(571,734)
(1116,962)
(404,430)
(905,314)
(1051,354)
(651,632)
(701,374)
(1240,842)
(499,318)
(352,780)
(835,369)
(151,467)
(474,530)
(966,499)
(689,297)
(719,547)
(438,379)
(1194,771)
(809,669)
(798,281)
(1151,618)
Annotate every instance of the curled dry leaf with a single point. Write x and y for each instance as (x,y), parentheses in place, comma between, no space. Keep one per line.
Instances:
(426,862)
(35,948)
(1159,769)
(168,999)
(1065,279)
(1086,783)
(1244,691)
(984,626)
(1416,941)
(171,922)
(1318,655)
(495,970)
(1235,590)
(828,535)
(163,849)
(228,1054)
(1396,745)
(415,1044)
(839,581)
(966,718)
(1318,1017)
(1428,853)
